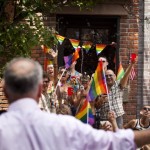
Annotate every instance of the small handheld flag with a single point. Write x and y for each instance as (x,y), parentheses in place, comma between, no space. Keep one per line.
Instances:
(120,72)
(68,61)
(98,85)
(76,54)
(70,91)
(85,113)
(71,58)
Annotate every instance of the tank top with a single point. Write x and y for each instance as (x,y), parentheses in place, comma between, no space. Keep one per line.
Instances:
(138,126)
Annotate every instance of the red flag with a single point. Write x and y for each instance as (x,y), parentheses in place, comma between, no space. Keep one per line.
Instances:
(45,64)
(132,73)
(70,91)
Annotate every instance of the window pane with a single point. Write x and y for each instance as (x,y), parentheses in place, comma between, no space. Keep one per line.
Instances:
(72,33)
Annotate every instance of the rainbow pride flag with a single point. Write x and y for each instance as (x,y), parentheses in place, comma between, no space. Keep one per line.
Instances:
(87,46)
(46,63)
(75,43)
(120,72)
(99,48)
(68,61)
(85,113)
(98,85)
(45,49)
(60,38)
(71,58)
(76,54)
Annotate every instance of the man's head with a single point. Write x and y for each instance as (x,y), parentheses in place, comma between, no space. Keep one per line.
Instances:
(22,78)
(85,80)
(105,62)
(50,69)
(63,73)
(110,77)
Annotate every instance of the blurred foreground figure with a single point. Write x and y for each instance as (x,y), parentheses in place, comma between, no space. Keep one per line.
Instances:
(25,127)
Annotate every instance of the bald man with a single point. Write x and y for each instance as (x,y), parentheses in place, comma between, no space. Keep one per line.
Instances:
(26,127)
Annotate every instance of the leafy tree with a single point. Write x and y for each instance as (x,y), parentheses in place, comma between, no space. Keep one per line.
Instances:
(21,26)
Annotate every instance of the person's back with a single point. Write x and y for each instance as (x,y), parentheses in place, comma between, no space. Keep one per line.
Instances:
(26,127)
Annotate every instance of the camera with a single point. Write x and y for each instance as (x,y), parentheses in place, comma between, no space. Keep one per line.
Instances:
(81,87)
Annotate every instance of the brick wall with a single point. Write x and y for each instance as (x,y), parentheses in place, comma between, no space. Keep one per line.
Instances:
(129,44)
(3,100)
(146,55)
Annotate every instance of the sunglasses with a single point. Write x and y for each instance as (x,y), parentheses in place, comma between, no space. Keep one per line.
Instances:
(108,75)
(45,81)
(103,60)
(145,108)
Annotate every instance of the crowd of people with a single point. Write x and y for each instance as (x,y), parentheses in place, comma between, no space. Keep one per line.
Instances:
(70,79)
(36,98)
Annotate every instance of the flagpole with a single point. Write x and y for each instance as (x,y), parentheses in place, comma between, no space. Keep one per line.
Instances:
(59,79)
(107,90)
(87,111)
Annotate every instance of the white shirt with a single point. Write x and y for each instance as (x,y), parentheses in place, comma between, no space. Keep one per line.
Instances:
(26,127)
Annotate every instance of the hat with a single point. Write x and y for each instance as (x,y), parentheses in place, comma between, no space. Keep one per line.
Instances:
(85,78)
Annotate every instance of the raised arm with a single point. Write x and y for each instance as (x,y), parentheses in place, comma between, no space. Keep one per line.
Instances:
(112,119)
(131,124)
(125,78)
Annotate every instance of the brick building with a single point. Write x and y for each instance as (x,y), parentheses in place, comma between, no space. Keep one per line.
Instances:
(123,19)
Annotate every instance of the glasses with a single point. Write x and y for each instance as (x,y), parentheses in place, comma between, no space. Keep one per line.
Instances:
(145,108)
(108,75)
(103,60)
(46,82)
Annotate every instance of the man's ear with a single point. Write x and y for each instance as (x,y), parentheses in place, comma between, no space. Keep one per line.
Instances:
(39,90)
(107,63)
(115,77)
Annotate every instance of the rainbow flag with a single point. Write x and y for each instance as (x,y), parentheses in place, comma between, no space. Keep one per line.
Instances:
(87,46)
(46,63)
(98,85)
(85,113)
(45,49)
(99,48)
(71,58)
(68,61)
(60,38)
(76,54)
(120,72)
(75,43)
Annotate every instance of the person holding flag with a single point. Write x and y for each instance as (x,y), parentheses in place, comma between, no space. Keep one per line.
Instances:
(114,100)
